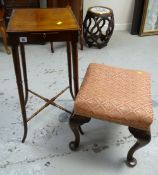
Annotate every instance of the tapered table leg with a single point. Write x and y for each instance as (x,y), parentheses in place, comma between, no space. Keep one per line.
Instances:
(69,67)
(75,66)
(52,47)
(16,60)
(81,39)
(23,60)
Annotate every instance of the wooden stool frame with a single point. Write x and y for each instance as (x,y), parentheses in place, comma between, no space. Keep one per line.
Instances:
(143,137)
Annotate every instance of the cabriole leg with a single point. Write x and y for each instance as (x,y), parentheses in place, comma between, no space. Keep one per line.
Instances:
(75,123)
(143,138)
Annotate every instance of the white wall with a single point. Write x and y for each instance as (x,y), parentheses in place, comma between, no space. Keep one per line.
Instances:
(123,11)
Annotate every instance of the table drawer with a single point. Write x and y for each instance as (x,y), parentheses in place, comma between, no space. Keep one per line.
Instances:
(43,37)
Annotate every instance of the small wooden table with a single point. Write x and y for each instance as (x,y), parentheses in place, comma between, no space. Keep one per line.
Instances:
(42,25)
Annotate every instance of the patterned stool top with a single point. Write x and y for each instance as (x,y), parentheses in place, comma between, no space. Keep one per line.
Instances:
(117,95)
(100,10)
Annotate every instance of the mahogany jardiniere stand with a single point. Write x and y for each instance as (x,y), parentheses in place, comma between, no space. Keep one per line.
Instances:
(57,24)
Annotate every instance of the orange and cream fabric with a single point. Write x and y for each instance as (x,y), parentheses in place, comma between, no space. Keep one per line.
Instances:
(117,95)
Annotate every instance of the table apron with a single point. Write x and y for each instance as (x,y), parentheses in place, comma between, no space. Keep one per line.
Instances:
(30,38)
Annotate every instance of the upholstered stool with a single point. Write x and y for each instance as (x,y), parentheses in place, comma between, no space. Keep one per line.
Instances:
(116,95)
(98,26)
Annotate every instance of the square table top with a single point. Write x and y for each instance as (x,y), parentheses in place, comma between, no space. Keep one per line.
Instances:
(42,20)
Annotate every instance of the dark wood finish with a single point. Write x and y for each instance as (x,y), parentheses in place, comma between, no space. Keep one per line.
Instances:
(48,102)
(57,3)
(75,123)
(77,8)
(69,68)
(143,138)
(93,33)
(137,16)
(23,61)
(3,31)
(52,47)
(57,24)
(1,4)
(9,5)
(18,74)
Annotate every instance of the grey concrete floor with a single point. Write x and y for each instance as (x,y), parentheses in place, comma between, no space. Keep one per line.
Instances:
(104,146)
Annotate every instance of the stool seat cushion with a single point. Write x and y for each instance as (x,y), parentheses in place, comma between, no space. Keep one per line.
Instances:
(117,95)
